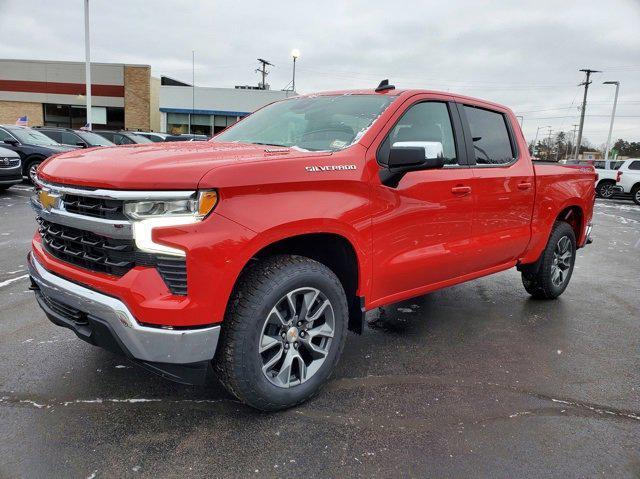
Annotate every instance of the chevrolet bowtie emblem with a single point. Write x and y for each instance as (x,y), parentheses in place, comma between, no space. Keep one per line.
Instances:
(47,199)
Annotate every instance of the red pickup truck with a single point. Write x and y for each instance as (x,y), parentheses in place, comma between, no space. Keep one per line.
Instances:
(255,252)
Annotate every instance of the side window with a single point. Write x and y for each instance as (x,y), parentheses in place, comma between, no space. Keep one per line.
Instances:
(634,165)
(70,138)
(123,140)
(426,123)
(54,135)
(599,165)
(491,143)
(4,135)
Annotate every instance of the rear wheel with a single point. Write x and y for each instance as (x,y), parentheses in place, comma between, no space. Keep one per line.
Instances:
(605,189)
(556,264)
(283,332)
(635,194)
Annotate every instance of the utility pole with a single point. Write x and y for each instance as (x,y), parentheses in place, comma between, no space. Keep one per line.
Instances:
(613,115)
(264,72)
(549,143)
(87,64)
(573,138)
(586,84)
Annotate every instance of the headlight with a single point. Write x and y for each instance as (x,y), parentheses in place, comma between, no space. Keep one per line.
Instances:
(198,207)
(150,214)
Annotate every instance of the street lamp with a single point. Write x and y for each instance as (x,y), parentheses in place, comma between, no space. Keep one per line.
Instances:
(295,53)
(613,115)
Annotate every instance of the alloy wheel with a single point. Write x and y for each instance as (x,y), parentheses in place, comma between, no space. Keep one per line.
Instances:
(296,337)
(562,260)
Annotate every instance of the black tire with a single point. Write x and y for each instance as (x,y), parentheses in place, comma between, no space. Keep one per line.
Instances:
(29,166)
(635,194)
(605,189)
(540,284)
(5,187)
(239,363)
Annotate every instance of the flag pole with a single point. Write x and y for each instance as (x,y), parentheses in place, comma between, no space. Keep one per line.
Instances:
(87,64)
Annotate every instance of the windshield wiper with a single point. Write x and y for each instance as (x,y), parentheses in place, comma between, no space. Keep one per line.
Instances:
(270,144)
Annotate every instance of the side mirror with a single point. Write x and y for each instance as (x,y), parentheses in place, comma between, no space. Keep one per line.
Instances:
(12,142)
(409,156)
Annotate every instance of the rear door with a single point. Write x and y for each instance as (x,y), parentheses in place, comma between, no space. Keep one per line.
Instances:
(503,185)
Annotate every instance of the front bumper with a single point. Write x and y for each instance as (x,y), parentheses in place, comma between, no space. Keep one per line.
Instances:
(179,354)
(10,176)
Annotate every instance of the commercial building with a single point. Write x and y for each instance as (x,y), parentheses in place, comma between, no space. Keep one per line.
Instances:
(205,110)
(53,93)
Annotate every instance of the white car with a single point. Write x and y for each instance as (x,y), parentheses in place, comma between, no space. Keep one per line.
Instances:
(628,180)
(607,178)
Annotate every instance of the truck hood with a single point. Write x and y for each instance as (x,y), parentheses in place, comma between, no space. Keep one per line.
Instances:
(157,166)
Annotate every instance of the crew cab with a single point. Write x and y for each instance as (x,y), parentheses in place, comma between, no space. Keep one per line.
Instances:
(256,251)
(628,179)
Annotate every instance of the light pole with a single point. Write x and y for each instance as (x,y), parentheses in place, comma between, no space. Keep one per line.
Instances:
(87,64)
(549,142)
(295,53)
(613,115)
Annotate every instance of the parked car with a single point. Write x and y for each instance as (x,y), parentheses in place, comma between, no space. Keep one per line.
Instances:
(32,146)
(122,137)
(607,177)
(69,136)
(10,168)
(153,136)
(628,179)
(257,251)
(186,137)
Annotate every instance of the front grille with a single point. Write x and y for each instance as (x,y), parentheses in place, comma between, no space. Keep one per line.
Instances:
(107,255)
(9,162)
(95,207)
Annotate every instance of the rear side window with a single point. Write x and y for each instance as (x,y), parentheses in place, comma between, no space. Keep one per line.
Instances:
(491,142)
(70,138)
(635,165)
(54,135)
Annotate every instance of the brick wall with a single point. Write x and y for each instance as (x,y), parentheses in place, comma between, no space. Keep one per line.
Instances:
(137,97)
(11,110)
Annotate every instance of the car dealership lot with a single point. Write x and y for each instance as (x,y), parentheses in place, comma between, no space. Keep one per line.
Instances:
(472,381)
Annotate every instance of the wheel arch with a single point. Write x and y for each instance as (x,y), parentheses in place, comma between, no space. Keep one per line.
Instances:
(29,159)
(332,249)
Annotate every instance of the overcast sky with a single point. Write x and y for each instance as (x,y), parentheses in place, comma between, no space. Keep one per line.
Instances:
(525,54)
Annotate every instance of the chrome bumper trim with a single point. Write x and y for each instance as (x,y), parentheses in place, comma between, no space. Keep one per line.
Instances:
(99,226)
(133,195)
(143,343)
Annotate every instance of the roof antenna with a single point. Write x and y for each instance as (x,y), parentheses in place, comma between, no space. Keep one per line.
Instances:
(384,86)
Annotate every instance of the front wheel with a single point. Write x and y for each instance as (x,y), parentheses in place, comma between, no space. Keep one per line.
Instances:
(556,264)
(283,332)
(32,170)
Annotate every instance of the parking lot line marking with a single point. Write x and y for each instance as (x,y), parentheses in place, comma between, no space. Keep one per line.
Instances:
(13,280)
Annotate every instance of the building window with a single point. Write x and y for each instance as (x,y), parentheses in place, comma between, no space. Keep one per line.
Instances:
(177,123)
(75,116)
(201,124)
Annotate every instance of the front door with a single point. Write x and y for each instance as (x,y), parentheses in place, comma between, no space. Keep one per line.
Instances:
(422,227)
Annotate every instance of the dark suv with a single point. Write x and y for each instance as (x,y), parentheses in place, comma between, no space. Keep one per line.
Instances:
(32,146)
(122,137)
(71,137)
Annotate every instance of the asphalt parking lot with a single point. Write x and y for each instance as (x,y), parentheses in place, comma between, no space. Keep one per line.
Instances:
(474,381)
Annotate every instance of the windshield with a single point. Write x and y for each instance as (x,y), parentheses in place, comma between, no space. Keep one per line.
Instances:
(311,123)
(94,139)
(32,137)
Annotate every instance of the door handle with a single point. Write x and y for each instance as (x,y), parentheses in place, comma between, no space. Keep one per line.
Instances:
(524,186)
(461,190)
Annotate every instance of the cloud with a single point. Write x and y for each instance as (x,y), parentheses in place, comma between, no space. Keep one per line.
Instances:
(523,54)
